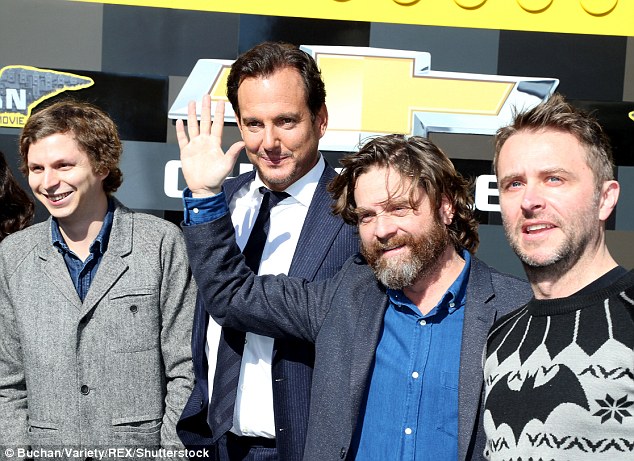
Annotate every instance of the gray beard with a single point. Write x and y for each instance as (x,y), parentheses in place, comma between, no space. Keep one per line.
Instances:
(400,273)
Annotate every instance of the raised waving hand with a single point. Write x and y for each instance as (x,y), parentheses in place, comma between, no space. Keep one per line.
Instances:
(205,165)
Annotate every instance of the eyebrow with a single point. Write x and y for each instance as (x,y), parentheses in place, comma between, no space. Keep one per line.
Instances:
(544,172)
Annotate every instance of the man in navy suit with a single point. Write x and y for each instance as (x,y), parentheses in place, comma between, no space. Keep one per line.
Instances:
(278,97)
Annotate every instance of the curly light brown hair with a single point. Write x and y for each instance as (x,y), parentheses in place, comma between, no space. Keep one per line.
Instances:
(93,130)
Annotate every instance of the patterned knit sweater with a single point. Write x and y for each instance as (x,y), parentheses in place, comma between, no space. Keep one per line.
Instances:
(559,378)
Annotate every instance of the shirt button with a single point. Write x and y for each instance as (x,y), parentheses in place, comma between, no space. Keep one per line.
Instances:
(415,375)
(422,322)
(84,390)
(195,210)
(408,431)
(452,304)
(134,309)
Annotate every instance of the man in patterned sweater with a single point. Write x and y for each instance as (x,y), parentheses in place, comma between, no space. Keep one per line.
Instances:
(559,371)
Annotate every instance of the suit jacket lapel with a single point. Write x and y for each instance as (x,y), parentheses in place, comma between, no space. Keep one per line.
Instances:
(54,267)
(112,265)
(367,332)
(232,186)
(320,229)
(478,318)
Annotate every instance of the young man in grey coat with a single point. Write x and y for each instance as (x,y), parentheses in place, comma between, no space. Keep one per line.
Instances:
(95,305)
(399,331)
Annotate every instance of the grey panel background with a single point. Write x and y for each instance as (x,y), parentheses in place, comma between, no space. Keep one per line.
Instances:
(628,86)
(466,146)
(301,31)
(163,41)
(137,176)
(452,48)
(625,215)
(56,34)
(588,66)
(495,250)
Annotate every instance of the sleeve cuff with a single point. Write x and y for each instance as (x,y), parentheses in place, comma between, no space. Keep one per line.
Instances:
(203,210)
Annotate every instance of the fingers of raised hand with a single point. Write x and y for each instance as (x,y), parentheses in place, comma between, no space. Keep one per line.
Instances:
(181,136)
(192,120)
(219,120)
(205,115)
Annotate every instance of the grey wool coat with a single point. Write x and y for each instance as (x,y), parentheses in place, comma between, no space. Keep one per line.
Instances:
(113,371)
(343,317)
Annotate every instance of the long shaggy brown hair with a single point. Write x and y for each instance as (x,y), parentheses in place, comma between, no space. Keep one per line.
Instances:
(421,160)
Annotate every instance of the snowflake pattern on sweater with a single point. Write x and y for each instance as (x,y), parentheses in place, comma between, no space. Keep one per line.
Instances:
(559,377)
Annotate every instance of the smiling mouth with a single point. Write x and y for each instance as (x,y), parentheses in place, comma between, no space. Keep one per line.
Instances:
(274,158)
(392,248)
(538,227)
(58,197)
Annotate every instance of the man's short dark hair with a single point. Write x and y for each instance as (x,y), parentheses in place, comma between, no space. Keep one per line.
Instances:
(267,58)
(558,115)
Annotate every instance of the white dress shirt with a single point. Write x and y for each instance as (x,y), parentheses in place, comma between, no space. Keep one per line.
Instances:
(253,413)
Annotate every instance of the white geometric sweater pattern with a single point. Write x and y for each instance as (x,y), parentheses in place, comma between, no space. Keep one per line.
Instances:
(559,379)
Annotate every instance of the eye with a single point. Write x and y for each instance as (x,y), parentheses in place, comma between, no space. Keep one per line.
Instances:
(400,211)
(554,179)
(286,122)
(365,218)
(35,168)
(253,125)
(510,185)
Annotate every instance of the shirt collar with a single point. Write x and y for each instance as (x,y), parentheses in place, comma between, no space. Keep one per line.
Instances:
(454,297)
(100,244)
(304,188)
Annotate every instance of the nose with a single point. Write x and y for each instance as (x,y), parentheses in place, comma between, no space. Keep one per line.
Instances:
(384,227)
(270,140)
(50,179)
(533,199)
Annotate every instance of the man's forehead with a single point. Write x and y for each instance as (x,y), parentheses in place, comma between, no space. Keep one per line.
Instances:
(388,183)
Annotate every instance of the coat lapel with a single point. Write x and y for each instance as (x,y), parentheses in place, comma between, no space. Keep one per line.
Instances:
(369,325)
(478,318)
(113,264)
(319,231)
(54,267)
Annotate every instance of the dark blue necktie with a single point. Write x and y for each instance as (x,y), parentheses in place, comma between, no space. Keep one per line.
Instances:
(231,346)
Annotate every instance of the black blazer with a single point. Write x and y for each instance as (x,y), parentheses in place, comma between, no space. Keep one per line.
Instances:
(343,317)
(324,245)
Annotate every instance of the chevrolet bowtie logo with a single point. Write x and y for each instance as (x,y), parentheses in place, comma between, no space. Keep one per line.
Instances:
(24,87)
(377,91)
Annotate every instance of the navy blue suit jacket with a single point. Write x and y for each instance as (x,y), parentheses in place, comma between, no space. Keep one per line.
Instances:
(324,245)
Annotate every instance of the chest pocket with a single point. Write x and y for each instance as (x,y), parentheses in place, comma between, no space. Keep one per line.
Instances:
(137,319)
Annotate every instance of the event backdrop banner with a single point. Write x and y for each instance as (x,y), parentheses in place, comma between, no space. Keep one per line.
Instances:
(376,91)
(598,17)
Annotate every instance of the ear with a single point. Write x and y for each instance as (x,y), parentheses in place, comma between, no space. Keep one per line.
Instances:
(446,211)
(102,173)
(608,199)
(321,120)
